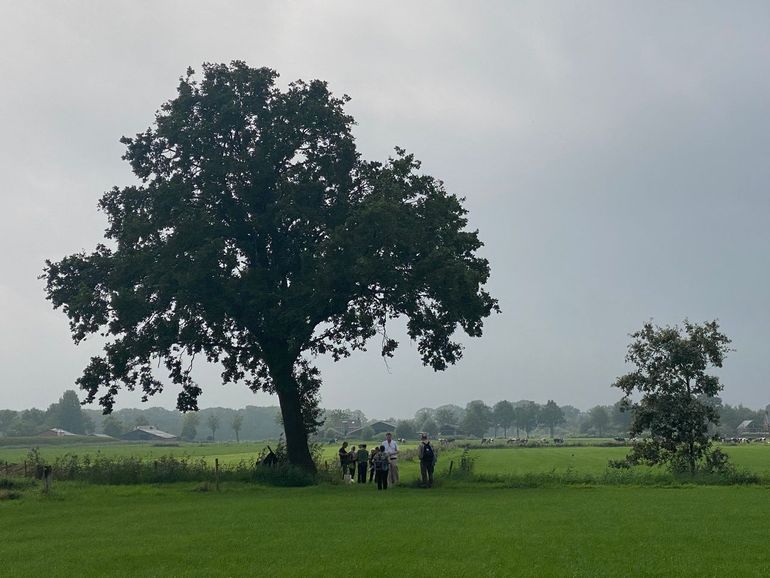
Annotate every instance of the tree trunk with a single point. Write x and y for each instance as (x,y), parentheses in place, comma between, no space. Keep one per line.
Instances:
(297,448)
(691,458)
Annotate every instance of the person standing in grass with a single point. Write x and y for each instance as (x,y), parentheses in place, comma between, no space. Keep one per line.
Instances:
(362,458)
(352,456)
(391,448)
(427,456)
(381,467)
(343,453)
(373,453)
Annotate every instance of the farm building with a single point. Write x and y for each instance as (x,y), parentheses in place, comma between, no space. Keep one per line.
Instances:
(148,433)
(378,427)
(55,432)
(745,426)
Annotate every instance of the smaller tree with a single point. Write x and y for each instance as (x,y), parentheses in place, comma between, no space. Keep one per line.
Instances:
(670,375)
(621,418)
(237,424)
(67,414)
(213,423)
(28,423)
(445,415)
(141,420)
(7,417)
(551,415)
(598,419)
(406,429)
(430,427)
(112,426)
(503,415)
(527,413)
(478,418)
(190,426)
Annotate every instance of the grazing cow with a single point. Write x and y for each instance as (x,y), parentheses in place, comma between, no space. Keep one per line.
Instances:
(558,440)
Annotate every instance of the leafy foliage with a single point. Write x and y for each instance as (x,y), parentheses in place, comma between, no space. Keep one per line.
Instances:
(478,418)
(503,415)
(258,236)
(671,376)
(527,414)
(68,415)
(551,415)
(406,428)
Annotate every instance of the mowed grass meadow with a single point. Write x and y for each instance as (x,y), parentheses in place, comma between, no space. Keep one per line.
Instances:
(460,528)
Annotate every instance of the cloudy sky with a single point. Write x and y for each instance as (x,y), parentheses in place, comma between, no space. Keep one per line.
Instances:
(615,157)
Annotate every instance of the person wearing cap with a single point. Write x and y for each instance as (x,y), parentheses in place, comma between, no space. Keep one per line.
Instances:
(427,457)
(391,449)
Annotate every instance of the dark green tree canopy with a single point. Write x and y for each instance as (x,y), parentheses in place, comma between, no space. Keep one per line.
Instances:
(551,415)
(504,414)
(67,414)
(675,390)
(478,418)
(526,414)
(256,236)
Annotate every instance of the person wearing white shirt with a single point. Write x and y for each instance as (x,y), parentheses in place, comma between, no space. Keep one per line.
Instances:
(391,448)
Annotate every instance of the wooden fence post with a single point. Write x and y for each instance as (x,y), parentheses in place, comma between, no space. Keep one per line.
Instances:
(47,478)
(216,473)
(451,464)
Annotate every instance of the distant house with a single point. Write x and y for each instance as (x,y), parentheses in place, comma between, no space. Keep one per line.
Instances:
(148,433)
(378,427)
(55,432)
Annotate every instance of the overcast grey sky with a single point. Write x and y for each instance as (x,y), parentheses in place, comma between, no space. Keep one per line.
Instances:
(615,157)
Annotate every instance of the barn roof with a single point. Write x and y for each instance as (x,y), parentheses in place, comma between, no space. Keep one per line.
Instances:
(377,426)
(57,431)
(151,431)
(744,424)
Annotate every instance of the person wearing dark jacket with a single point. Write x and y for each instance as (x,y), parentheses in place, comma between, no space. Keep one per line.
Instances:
(344,458)
(427,456)
(381,466)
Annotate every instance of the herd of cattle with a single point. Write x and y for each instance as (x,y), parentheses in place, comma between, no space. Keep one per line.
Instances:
(743,440)
(446,442)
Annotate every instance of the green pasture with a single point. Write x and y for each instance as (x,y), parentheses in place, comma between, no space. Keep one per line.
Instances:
(503,460)
(227,452)
(591,460)
(248,530)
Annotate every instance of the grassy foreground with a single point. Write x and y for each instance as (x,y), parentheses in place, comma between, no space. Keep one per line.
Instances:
(247,530)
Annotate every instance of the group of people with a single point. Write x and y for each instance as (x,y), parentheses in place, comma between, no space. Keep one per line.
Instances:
(381,462)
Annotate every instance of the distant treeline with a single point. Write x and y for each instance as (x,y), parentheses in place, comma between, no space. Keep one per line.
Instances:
(253,423)
(522,418)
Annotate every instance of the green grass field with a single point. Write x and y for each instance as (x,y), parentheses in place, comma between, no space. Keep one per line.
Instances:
(247,530)
(461,528)
(503,461)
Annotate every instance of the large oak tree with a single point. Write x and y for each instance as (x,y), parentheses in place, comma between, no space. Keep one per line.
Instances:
(257,237)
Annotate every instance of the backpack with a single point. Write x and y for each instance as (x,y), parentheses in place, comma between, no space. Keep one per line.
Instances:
(381,463)
(428,455)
